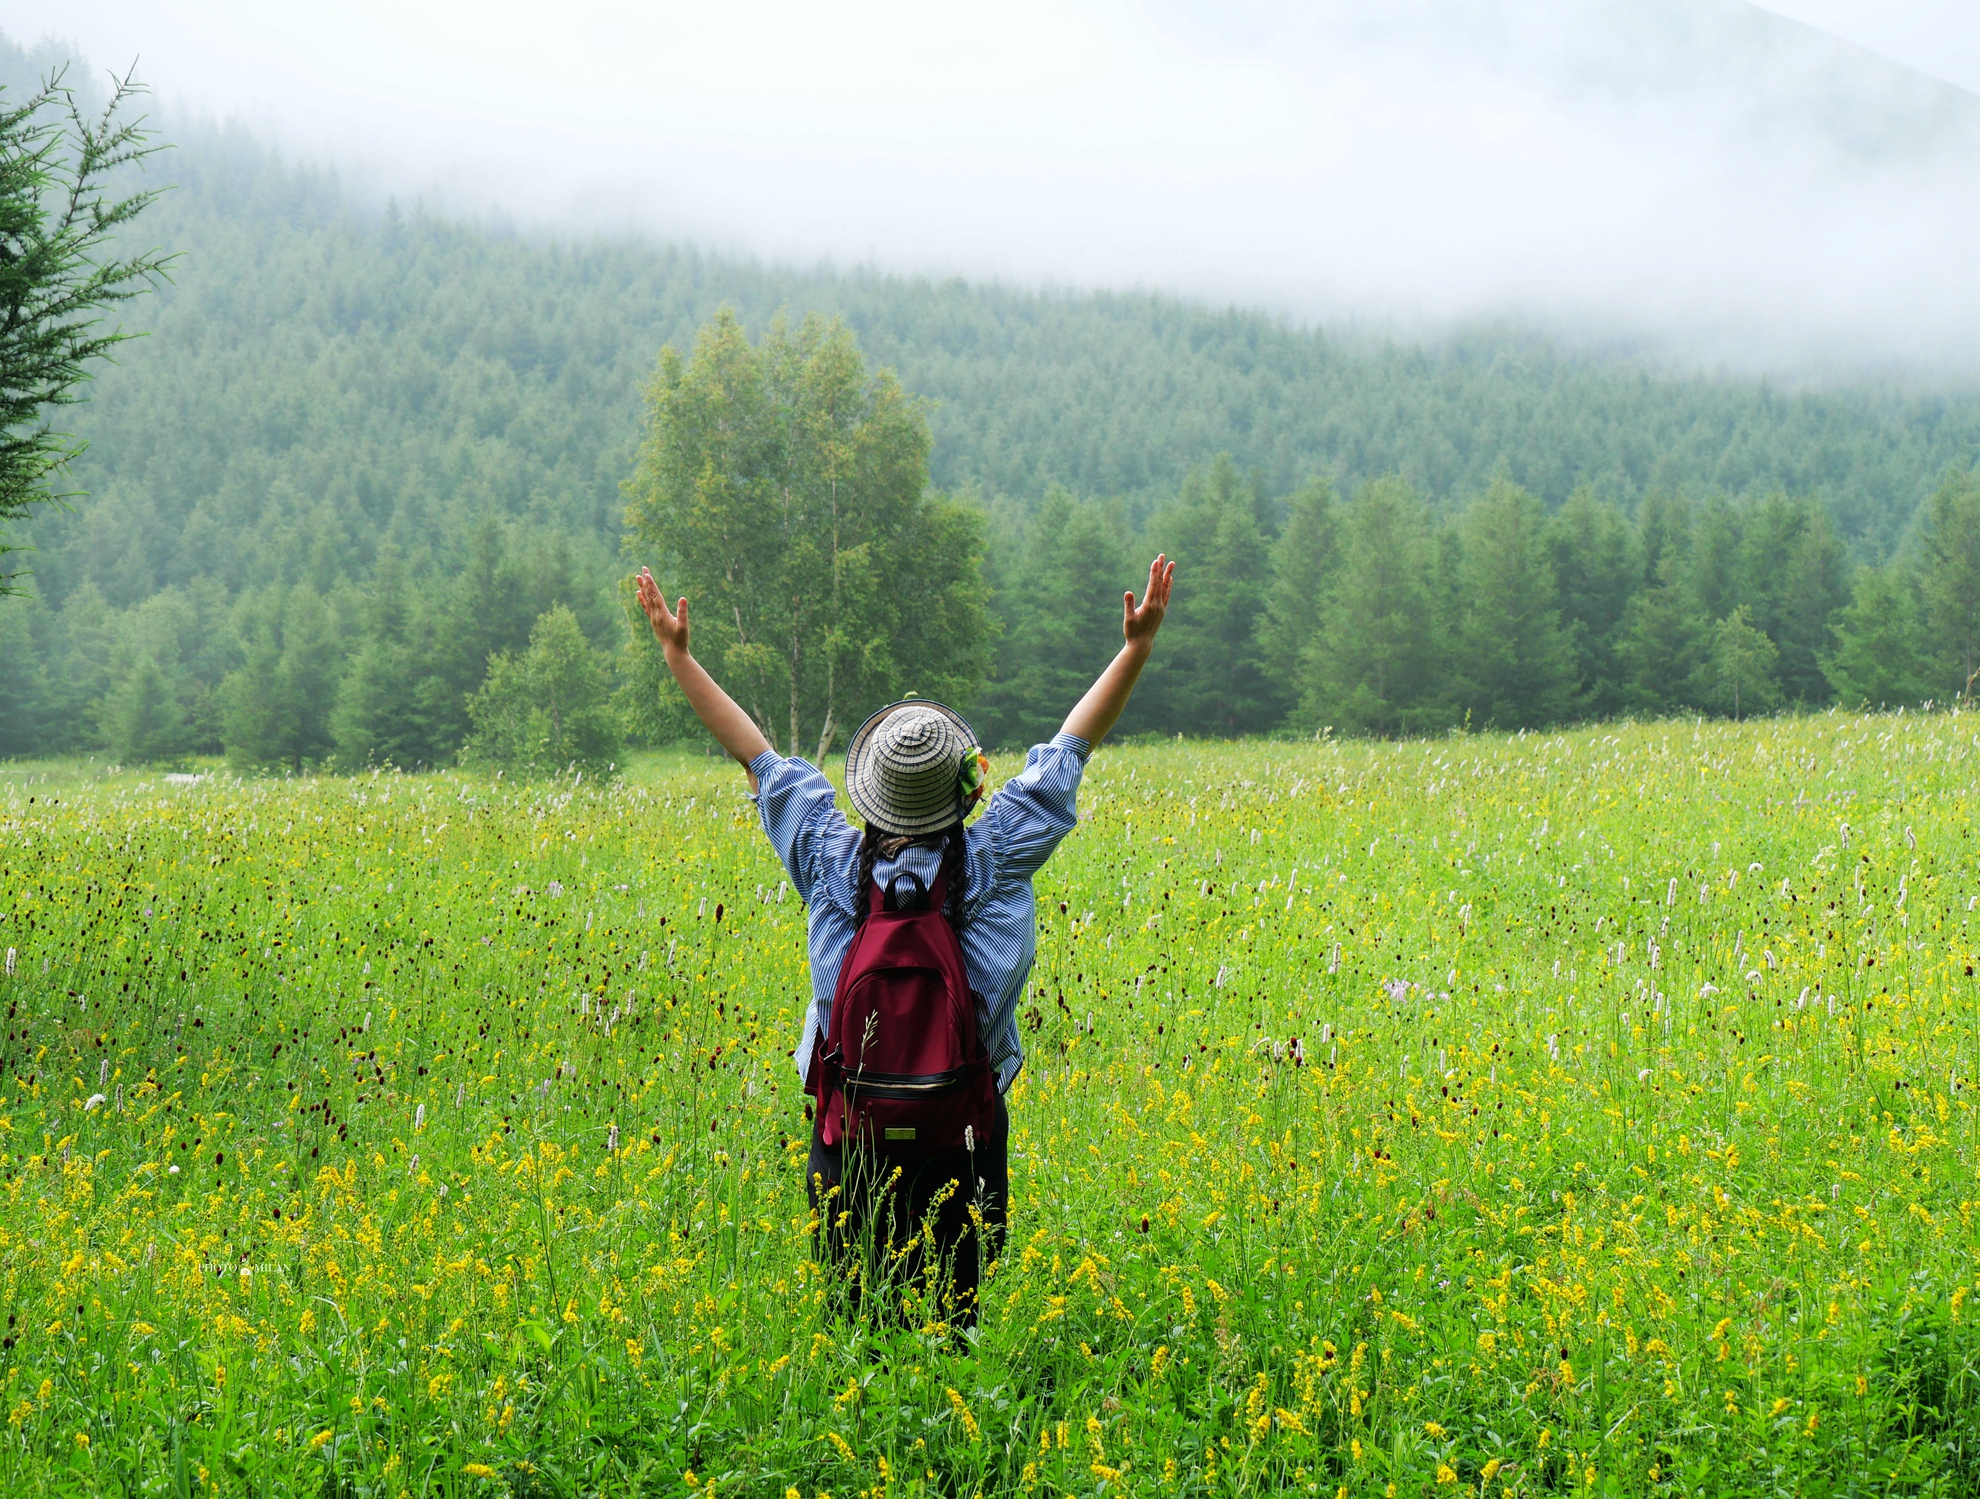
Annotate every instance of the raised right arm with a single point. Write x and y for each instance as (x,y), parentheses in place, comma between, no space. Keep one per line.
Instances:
(721,714)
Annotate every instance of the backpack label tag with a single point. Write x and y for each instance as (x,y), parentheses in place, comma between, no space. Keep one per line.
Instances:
(900,1134)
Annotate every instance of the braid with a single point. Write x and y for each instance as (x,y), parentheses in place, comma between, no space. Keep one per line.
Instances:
(955,874)
(869,855)
(955,871)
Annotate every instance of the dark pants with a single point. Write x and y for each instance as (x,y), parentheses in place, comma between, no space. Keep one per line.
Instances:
(912,1233)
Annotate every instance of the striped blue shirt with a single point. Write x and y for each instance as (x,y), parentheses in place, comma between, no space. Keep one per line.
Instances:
(1006,846)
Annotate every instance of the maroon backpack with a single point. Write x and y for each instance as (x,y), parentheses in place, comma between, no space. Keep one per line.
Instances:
(901,1068)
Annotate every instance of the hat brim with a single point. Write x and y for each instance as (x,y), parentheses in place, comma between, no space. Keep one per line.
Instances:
(859,783)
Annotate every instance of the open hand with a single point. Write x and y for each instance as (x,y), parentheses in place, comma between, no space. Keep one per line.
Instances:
(670,626)
(1139,624)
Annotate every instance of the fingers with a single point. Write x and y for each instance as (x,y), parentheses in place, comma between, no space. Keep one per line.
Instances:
(668,626)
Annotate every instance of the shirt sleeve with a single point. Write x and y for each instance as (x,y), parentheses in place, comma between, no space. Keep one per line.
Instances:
(1032,811)
(801,816)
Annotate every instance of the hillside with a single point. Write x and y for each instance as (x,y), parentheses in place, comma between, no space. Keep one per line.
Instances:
(327,372)
(331,378)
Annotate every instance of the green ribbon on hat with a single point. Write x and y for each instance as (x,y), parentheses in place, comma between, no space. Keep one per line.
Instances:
(975,771)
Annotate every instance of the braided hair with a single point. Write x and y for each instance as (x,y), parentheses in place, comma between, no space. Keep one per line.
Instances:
(875,846)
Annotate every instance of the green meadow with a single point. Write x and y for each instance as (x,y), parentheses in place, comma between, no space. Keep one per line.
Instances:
(1578,1113)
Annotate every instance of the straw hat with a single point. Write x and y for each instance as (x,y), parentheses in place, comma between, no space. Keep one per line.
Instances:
(904,768)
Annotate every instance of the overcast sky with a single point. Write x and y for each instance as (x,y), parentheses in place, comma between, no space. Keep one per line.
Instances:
(1698,172)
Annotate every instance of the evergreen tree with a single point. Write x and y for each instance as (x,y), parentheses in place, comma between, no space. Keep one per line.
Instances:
(255,718)
(23,682)
(312,665)
(1950,585)
(549,710)
(1740,672)
(1213,679)
(1664,533)
(1302,564)
(276,707)
(1375,666)
(481,610)
(143,718)
(1771,534)
(378,719)
(1663,636)
(1814,584)
(1713,567)
(1514,663)
(83,639)
(1597,571)
(60,272)
(1877,661)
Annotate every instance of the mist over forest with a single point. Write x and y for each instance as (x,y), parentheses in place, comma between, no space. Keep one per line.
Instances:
(365,430)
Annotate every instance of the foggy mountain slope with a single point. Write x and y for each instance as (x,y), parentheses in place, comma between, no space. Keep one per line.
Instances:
(327,377)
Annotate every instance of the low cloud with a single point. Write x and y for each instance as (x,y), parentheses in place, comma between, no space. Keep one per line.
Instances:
(1699,177)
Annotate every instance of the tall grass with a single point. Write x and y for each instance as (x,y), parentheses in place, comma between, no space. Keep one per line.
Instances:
(1558,1114)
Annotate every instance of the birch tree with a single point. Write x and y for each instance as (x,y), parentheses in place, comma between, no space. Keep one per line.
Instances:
(785,490)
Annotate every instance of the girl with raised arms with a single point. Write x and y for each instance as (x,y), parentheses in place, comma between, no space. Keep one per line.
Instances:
(922,930)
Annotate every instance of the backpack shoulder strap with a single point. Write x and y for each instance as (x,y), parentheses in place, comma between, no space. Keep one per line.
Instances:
(876,896)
